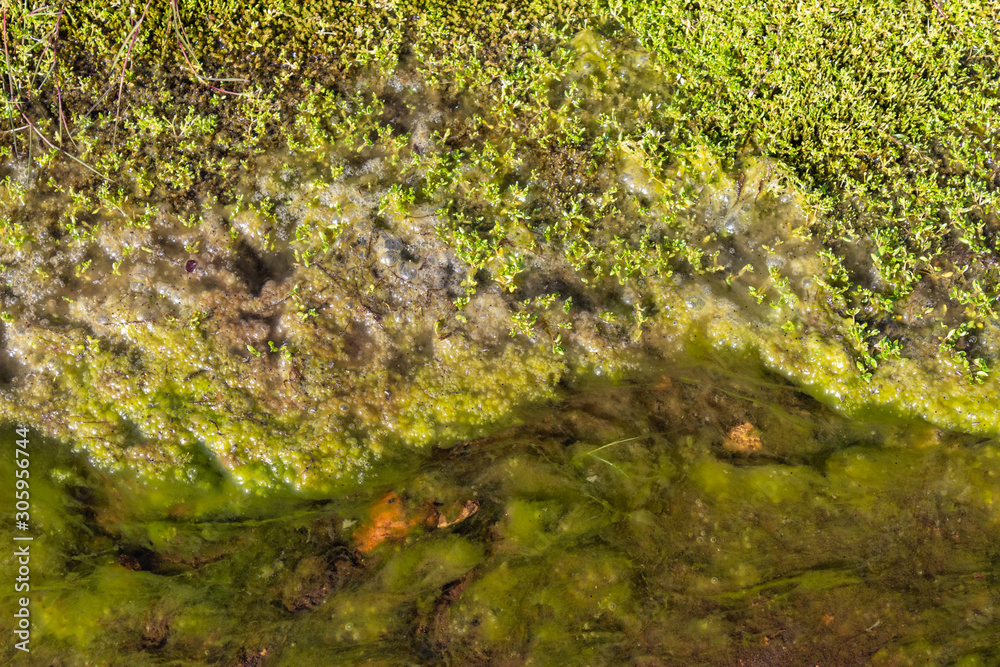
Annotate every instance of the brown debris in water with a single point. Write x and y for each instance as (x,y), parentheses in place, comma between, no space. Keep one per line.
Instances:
(389,520)
(742,439)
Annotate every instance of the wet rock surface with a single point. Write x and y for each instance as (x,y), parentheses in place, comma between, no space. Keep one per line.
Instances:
(558,344)
(432,284)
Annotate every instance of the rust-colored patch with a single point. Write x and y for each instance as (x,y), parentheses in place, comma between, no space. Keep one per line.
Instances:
(742,439)
(389,521)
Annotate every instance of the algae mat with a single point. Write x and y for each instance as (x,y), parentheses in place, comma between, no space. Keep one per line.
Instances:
(632,525)
(564,334)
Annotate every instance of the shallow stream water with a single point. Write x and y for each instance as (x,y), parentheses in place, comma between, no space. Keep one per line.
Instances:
(691,516)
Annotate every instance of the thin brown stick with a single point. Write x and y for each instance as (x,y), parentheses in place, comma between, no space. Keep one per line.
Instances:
(54,44)
(182,40)
(133,35)
(10,75)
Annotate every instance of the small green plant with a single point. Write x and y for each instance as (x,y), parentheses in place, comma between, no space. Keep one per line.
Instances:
(283,350)
(523,322)
(557,347)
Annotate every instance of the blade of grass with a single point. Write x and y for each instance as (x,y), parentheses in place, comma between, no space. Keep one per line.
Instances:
(618,442)
(593,452)
(610,464)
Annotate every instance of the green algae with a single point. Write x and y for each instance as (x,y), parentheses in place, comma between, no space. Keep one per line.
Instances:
(545,261)
(669,548)
(380,283)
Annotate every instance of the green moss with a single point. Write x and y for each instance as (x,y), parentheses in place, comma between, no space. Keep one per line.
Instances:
(370,233)
(412,233)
